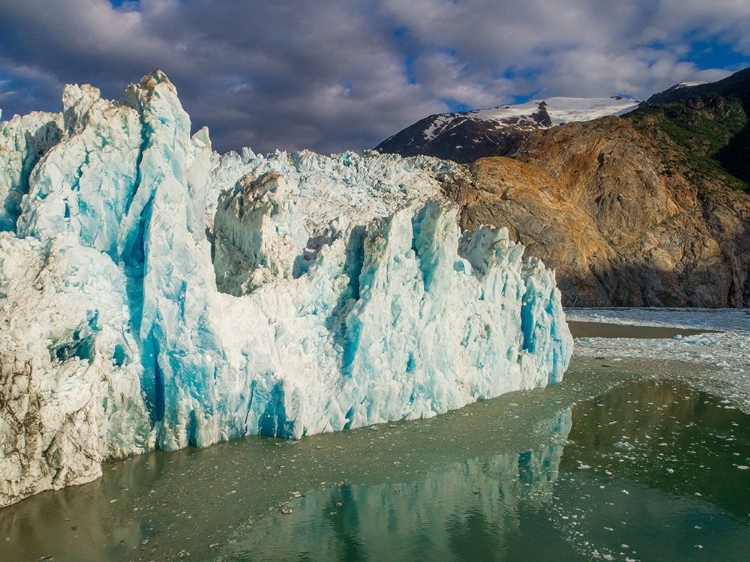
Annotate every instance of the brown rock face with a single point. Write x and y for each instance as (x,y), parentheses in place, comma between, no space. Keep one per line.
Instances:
(606,205)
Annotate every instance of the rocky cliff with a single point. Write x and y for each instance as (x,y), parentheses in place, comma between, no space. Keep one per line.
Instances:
(631,212)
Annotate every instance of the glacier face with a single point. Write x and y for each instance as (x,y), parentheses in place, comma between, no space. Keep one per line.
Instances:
(156,295)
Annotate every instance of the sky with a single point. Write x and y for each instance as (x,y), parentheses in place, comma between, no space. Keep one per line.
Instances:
(332,75)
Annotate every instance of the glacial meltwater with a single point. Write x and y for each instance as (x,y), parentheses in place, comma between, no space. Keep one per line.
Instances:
(624,460)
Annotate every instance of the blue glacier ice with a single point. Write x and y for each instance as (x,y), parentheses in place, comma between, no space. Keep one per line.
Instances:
(154,294)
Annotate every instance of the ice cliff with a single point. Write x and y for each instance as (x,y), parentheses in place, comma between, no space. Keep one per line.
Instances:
(156,295)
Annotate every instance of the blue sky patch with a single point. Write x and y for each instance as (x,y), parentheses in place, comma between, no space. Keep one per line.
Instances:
(713,54)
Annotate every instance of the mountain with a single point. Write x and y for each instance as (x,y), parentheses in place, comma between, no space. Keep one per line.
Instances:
(736,85)
(650,209)
(598,202)
(465,137)
(647,209)
(710,122)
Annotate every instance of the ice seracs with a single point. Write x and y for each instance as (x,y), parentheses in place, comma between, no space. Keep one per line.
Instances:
(23,140)
(156,295)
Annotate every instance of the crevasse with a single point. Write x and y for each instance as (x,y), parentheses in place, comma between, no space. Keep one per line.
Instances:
(154,294)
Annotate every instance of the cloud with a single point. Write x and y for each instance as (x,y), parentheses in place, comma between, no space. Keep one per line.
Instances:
(335,75)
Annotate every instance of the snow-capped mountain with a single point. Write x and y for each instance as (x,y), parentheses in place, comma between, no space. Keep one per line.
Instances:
(467,136)
(554,111)
(678,91)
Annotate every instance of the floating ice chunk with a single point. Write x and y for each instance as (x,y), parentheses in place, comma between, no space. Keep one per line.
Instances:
(623,446)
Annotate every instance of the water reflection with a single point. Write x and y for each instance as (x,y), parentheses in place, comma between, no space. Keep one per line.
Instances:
(196,502)
(588,469)
(668,436)
(660,468)
(473,504)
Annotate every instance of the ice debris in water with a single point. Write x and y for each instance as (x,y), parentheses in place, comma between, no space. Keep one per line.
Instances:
(156,295)
(623,446)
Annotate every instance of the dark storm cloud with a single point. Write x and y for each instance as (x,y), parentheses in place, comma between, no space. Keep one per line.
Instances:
(331,75)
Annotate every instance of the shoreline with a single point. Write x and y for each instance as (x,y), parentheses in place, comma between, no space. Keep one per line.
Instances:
(725,351)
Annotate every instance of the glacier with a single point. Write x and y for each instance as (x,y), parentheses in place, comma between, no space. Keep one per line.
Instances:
(156,295)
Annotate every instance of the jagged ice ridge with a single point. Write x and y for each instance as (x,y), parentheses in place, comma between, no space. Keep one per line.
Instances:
(154,294)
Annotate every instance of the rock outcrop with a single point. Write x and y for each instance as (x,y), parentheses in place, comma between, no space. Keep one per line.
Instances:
(649,209)
(613,207)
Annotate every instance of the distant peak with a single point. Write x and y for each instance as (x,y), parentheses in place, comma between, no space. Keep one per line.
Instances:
(466,136)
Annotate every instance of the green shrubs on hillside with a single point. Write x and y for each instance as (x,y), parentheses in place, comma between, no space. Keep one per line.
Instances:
(710,134)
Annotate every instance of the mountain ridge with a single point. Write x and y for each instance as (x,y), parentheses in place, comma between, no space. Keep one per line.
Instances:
(466,136)
(737,84)
(646,210)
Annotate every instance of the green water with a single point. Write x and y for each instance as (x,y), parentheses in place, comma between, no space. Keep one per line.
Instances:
(622,461)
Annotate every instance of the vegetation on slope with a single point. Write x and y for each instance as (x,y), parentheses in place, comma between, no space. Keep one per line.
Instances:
(709,123)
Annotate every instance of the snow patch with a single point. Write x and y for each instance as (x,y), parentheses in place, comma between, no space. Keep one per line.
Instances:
(690,84)
(560,110)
